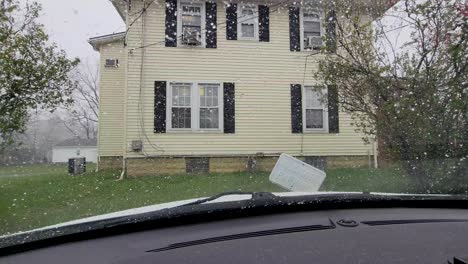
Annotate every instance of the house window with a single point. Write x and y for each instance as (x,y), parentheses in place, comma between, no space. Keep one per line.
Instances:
(315,113)
(247,17)
(312,30)
(209,106)
(191,18)
(195,107)
(181,111)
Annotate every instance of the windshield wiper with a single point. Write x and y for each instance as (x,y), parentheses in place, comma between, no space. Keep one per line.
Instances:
(255,196)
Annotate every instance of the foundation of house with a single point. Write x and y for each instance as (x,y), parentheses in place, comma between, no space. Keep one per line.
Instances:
(156,166)
(110,163)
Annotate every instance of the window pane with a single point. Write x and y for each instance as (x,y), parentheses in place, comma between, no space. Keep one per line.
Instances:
(248,30)
(247,11)
(188,20)
(189,9)
(191,35)
(311,16)
(181,95)
(181,118)
(314,118)
(209,95)
(191,25)
(311,26)
(209,118)
(313,98)
(312,31)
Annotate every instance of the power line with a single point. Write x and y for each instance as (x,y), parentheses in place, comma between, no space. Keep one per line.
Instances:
(140,99)
(140,14)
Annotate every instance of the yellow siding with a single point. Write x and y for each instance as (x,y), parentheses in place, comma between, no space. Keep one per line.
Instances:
(111,105)
(262,73)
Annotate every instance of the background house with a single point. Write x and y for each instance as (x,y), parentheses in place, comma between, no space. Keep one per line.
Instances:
(72,148)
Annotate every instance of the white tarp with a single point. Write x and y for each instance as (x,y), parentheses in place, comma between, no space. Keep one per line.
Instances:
(296,175)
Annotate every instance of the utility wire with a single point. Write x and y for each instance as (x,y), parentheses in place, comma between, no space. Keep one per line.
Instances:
(140,14)
(140,98)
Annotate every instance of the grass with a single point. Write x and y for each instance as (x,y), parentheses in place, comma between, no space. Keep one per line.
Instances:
(36,170)
(389,180)
(51,196)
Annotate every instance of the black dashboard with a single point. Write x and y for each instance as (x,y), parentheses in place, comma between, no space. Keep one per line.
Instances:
(396,235)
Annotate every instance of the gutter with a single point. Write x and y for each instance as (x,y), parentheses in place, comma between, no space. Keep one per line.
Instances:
(96,42)
(127,64)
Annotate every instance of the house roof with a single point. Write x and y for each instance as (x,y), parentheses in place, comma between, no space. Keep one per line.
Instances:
(96,42)
(74,142)
(120,7)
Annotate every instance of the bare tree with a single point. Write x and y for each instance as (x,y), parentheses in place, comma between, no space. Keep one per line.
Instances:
(85,111)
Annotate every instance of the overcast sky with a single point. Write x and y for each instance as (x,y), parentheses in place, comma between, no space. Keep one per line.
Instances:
(70,23)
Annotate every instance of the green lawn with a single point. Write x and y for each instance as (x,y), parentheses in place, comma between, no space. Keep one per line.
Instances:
(51,196)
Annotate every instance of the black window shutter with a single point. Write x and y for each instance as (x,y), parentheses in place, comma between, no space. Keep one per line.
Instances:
(296,108)
(231,21)
(331,32)
(229,108)
(333,110)
(160,107)
(294,29)
(211,34)
(264,23)
(171,23)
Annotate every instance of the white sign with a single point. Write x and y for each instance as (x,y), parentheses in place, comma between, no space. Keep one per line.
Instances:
(296,175)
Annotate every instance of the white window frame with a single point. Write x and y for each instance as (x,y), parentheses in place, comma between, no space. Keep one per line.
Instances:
(202,26)
(241,18)
(195,107)
(322,29)
(170,105)
(325,128)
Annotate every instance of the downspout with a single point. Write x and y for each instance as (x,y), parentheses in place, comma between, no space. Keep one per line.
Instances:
(124,146)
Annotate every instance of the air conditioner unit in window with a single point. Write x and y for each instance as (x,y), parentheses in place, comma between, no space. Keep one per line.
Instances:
(112,63)
(313,43)
(191,38)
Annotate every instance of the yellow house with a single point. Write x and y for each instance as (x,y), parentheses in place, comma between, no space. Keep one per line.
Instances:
(218,86)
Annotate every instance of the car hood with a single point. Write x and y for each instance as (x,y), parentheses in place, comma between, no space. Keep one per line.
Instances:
(158,207)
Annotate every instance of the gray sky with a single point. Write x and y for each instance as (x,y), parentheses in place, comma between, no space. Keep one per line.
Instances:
(70,23)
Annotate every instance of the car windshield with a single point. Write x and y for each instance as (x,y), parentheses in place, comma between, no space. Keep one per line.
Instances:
(114,105)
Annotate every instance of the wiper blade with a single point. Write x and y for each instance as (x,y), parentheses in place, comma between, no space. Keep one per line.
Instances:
(255,196)
(272,232)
